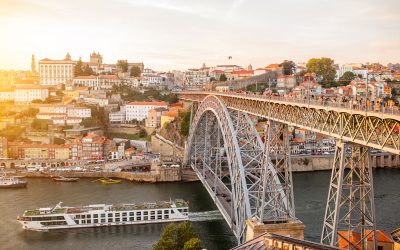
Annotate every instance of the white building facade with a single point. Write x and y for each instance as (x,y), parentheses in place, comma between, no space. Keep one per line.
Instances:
(56,72)
(28,93)
(139,110)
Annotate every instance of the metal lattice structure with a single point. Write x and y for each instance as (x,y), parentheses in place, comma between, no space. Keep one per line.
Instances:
(373,129)
(350,205)
(277,189)
(260,184)
(227,154)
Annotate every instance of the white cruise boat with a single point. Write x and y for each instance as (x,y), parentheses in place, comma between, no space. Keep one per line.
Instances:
(11,182)
(60,217)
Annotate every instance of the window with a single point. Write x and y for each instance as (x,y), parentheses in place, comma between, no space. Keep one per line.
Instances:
(166,211)
(145,213)
(152,217)
(131,218)
(159,217)
(117,214)
(123,214)
(95,221)
(103,215)
(95,216)
(145,218)
(103,220)
(152,212)
(166,216)
(132,214)
(159,212)
(89,221)
(117,219)
(124,219)
(110,220)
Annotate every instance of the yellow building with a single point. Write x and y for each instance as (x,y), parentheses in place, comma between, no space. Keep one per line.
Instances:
(25,151)
(168,116)
(62,152)
(36,152)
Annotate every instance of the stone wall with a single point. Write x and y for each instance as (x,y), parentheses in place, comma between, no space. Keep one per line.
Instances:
(314,163)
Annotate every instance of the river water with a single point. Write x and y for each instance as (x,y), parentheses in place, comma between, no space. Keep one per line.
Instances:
(310,195)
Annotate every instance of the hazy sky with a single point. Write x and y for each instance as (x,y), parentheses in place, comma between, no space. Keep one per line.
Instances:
(178,34)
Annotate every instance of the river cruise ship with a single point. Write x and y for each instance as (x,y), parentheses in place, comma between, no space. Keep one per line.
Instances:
(61,217)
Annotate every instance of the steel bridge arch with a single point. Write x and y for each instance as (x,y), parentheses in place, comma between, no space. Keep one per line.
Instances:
(245,156)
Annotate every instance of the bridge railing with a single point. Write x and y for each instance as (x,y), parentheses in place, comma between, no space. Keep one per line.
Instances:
(348,104)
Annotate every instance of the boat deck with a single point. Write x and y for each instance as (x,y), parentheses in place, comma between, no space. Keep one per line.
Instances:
(117,207)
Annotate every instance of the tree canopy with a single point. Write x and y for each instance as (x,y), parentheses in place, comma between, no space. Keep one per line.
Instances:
(122,65)
(289,67)
(81,70)
(135,71)
(347,77)
(323,67)
(223,78)
(178,237)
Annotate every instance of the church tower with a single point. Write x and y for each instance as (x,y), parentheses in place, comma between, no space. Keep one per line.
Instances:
(33,64)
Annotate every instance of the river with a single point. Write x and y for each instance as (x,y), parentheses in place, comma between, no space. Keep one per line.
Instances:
(310,194)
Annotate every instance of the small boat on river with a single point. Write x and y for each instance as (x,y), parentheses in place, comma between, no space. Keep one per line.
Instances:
(65,179)
(109,181)
(12,182)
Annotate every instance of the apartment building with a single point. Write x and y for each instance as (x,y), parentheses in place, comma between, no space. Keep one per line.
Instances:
(139,110)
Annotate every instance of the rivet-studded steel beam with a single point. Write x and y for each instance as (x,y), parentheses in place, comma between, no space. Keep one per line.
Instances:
(227,154)
(350,207)
(373,129)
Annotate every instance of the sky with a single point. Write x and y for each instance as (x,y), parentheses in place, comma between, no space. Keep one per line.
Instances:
(181,34)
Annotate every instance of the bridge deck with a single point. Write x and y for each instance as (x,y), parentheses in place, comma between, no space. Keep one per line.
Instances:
(377,127)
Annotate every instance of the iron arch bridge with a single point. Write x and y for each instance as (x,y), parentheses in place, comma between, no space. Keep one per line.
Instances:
(249,179)
(230,159)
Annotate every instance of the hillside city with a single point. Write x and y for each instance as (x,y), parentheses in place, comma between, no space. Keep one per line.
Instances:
(100,112)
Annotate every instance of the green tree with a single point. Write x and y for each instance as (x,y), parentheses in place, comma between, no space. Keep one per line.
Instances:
(192,244)
(223,78)
(142,133)
(12,133)
(40,124)
(175,237)
(289,67)
(122,65)
(323,67)
(347,77)
(87,71)
(79,68)
(185,124)
(135,71)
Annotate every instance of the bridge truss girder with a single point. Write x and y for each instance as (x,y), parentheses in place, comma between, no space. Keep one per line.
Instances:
(350,205)
(375,130)
(227,153)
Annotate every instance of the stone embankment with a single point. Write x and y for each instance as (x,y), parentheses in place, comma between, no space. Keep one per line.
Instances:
(159,175)
(325,162)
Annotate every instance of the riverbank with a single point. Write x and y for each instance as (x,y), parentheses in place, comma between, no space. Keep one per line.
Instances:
(325,162)
(159,175)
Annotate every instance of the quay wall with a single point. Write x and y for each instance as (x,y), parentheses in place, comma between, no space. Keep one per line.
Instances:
(160,175)
(322,162)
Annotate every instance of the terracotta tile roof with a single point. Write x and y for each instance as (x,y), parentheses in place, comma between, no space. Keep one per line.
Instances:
(148,103)
(112,77)
(29,86)
(272,66)
(85,77)
(170,113)
(243,72)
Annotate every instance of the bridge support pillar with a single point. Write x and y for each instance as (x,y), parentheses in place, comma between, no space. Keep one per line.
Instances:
(350,208)
(292,228)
